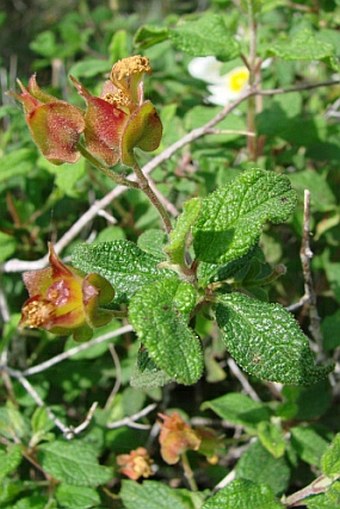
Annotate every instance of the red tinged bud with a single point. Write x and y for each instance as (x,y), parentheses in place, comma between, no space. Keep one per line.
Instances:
(55,125)
(64,301)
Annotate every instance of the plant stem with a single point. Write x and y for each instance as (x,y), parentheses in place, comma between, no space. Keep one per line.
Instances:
(189,475)
(115,177)
(319,485)
(145,187)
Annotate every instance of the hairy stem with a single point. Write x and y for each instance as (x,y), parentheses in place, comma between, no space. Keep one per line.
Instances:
(189,475)
(144,186)
(115,177)
(319,485)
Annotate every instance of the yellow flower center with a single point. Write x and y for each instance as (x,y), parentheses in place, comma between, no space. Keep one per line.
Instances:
(126,75)
(238,79)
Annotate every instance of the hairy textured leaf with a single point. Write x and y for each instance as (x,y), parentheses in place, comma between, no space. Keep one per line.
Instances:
(330,461)
(9,460)
(304,45)
(151,495)
(238,409)
(232,217)
(266,341)
(208,35)
(74,463)
(152,241)
(157,313)
(243,494)
(309,445)
(178,237)
(121,262)
(76,497)
(258,465)
(146,374)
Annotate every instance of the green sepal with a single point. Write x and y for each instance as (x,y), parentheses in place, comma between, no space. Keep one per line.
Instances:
(159,314)
(143,130)
(266,341)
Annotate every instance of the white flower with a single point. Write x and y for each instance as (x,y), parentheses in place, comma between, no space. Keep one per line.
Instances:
(223,88)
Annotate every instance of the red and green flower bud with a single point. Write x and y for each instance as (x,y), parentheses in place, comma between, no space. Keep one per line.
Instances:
(63,300)
(120,120)
(55,125)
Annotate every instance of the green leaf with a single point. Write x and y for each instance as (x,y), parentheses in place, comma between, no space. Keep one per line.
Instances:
(330,327)
(121,262)
(309,445)
(322,197)
(238,409)
(89,68)
(76,497)
(179,235)
(34,501)
(18,162)
(243,494)
(208,35)
(258,465)
(151,495)
(199,115)
(7,246)
(303,45)
(157,313)
(328,500)
(12,423)
(266,341)
(232,217)
(73,463)
(152,241)
(9,460)
(67,176)
(146,374)
(308,402)
(149,35)
(330,461)
(272,438)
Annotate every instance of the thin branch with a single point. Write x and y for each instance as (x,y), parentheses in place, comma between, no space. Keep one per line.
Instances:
(225,481)
(118,381)
(77,349)
(319,485)
(83,425)
(242,379)
(16,265)
(35,396)
(130,421)
(306,255)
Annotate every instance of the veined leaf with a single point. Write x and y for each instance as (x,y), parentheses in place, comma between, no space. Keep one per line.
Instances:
(304,45)
(152,495)
(208,35)
(121,262)
(232,217)
(330,461)
(73,463)
(266,341)
(243,494)
(159,314)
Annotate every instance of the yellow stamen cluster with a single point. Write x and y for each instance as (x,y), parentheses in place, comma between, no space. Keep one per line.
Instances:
(119,99)
(127,67)
(36,313)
